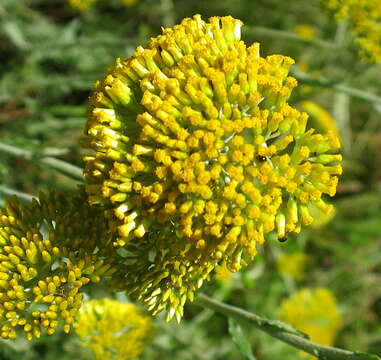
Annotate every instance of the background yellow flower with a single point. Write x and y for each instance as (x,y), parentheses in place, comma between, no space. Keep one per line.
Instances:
(292,265)
(81,5)
(364,19)
(113,330)
(314,312)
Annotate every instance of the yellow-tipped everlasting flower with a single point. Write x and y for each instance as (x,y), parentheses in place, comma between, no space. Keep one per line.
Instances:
(49,250)
(292,265)
(197,155)
(113,330)
(364,18)
(314,312)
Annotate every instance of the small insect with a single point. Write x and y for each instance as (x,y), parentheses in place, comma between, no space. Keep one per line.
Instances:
(61,291)
(261,158)
(283,239)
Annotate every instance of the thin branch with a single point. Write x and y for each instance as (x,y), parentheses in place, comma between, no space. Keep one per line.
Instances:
(323,82)
(281,332)
(255,31)
(60,165)
(20,194)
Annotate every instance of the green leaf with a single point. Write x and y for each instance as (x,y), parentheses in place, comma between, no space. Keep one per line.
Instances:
(15,34)
(240,340)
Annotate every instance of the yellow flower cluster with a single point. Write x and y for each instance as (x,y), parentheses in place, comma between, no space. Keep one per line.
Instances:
(314,312)
(197,155)
(113,330)
(47,254)
(292,265)
(364,17)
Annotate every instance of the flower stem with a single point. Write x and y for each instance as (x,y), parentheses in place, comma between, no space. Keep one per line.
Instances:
(64,167)
(281,332)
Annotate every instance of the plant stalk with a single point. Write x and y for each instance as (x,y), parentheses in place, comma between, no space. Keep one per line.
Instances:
(289,337)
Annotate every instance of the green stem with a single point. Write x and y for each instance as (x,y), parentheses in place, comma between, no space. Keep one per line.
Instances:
(60,165)
(287,336)
(168,14)
(323,82)
(255,31)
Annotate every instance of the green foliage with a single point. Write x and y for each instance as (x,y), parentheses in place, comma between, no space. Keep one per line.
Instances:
(239,338)
(50,58)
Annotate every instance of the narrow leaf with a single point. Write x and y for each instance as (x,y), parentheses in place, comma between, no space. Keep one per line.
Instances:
(240,340)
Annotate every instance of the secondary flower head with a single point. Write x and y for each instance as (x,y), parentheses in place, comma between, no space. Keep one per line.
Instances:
(113,330)
(47,254)
(364,17)
(197,155)
(314,312)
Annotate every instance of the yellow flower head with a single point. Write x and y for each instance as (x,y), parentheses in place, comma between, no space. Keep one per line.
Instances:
(113,330)
(41,269)
(292,265)
(364,18)
(197,155)
(81,5)
(313,312)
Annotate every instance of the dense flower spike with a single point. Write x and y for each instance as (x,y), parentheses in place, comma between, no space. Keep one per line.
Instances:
(197,155)
(113,330)
(364,17)
(314,312)
(49,250)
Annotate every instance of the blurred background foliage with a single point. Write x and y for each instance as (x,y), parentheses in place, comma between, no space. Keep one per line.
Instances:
(52,52)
